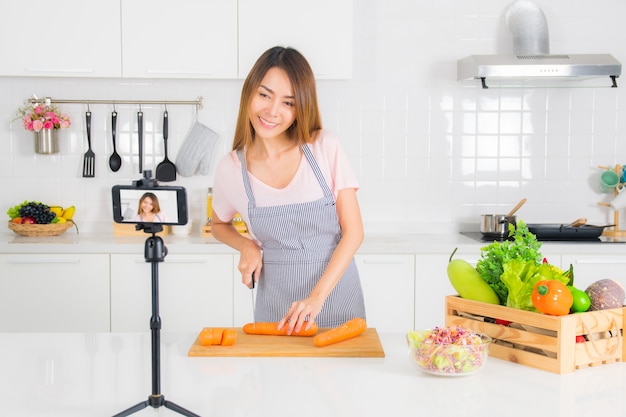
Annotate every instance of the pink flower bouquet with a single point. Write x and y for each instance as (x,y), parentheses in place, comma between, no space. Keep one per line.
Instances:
(39,116)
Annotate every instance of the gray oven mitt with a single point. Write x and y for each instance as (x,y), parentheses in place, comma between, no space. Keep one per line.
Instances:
(194,156)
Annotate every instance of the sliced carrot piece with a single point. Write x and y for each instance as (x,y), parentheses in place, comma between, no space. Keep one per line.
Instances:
(217,335)
(206,336)
(229,337)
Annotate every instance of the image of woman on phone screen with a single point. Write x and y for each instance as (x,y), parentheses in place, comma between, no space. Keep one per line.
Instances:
(149,210)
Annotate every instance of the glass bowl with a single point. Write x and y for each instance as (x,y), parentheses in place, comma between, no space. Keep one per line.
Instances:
(450,351)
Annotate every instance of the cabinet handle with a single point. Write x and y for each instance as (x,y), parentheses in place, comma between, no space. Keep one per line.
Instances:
(176,261)
(44,260)
(365,261)
(64,70)
(600,261)
(197,72)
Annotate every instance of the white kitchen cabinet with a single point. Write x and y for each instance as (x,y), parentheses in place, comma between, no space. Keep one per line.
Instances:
(321,30)
(591,268)
(181,39)
(54,293)
(432,286)
(195,291)
(242,298)
(388,287)
(67,38)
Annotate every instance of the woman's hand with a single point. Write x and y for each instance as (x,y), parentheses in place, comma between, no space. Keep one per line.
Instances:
(250,259)
(250,262)
(301,314)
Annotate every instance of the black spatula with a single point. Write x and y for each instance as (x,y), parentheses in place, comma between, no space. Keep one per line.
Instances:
(166,170)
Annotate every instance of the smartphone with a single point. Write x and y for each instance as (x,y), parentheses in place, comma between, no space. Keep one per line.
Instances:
(143,204)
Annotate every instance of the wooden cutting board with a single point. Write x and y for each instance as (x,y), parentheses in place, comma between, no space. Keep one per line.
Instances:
(366,345)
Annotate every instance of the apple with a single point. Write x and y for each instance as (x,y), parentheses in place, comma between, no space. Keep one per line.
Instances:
(28,220)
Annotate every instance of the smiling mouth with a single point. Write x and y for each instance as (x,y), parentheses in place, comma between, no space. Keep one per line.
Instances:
(267,124)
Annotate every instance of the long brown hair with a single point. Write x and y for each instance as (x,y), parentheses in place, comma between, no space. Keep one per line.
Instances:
(156,208)
(308,120)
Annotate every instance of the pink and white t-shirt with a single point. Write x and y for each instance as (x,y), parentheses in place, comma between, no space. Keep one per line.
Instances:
(229,195)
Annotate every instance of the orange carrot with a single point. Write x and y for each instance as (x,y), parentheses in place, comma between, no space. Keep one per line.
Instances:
(351,328)
(217,336)
(206,336)
(271,328)
(229,337)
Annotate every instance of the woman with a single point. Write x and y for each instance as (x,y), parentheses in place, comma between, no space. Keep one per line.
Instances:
(149,210)
(294,188)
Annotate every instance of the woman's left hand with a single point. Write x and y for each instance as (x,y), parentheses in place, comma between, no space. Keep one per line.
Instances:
(301,315)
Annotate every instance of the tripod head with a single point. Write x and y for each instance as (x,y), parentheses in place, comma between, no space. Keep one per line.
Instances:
(154,249)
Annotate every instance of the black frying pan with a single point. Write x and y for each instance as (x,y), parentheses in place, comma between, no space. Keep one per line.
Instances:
(566,231)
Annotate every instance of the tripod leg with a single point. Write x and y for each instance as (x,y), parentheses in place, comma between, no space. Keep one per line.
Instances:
(133,409)
(155,252)
(179,409)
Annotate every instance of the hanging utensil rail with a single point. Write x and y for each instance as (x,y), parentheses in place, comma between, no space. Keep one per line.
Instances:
(199,102)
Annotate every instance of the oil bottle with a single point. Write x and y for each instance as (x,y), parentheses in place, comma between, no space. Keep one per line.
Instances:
(209,206)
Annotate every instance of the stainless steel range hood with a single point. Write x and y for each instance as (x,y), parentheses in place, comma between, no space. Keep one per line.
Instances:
(531,62)
(546,67)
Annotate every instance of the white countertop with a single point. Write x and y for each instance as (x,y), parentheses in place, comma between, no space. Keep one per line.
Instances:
(389,241)
(103,374)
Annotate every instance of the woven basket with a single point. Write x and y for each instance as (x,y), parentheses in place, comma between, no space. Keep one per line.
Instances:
(38,230)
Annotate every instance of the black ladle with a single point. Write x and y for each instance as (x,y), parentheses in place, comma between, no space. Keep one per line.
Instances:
(115,161)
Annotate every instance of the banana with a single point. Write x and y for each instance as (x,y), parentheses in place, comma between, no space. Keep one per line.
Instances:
(68,213)
(58,210)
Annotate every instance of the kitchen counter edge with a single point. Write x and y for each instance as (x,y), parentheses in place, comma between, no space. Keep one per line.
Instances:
(374,243)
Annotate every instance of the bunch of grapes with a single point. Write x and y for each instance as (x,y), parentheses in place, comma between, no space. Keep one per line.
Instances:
(38,211)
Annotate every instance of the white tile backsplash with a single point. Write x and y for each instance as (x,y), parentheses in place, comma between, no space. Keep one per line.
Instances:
(427,149)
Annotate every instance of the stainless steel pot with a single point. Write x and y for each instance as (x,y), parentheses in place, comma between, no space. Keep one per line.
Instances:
(496,225)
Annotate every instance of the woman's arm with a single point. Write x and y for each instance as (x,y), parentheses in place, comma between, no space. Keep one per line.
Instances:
(351,224)
(250,260)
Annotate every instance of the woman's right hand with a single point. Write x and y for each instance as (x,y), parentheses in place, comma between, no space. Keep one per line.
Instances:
(250,262)
(250,259)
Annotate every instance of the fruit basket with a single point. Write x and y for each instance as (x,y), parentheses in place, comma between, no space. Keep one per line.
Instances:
(40,230)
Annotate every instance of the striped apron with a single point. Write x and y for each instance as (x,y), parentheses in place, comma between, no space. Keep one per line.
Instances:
(298,242)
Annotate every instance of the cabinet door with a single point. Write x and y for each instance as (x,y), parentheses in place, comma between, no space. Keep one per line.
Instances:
(242,296)
(67,38)
(54,293)
(179,39)
(321,30)
(388,288)
(432,286)
(195,291)
(591,268)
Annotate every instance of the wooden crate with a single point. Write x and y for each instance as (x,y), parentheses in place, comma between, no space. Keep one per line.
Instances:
(542,341)
(120,229)
(241,228)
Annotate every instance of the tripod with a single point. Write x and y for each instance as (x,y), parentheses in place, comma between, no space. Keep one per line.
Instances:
(155,252)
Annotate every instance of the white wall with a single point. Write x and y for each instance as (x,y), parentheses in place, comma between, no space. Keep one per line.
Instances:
(428,150)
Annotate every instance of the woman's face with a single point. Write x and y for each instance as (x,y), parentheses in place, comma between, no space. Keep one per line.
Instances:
(146,205)
(272,107)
